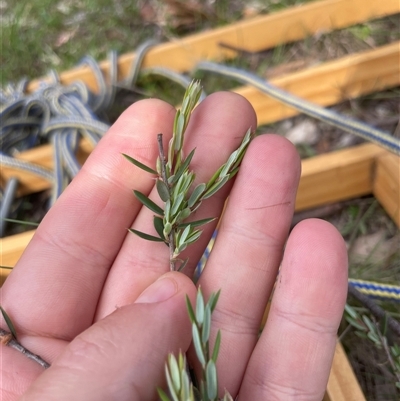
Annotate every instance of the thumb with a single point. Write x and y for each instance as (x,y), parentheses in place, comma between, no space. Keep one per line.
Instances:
(122,356)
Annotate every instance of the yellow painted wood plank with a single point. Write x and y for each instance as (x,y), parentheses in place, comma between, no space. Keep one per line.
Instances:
(253,35)
(386,185)
(342,384)
(11,250)
(337,176)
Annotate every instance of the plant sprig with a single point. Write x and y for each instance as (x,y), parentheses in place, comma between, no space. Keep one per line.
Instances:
(179,382)
(368,328)
(174,184)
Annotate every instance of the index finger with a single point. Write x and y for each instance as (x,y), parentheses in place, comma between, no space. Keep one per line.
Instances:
(54,289)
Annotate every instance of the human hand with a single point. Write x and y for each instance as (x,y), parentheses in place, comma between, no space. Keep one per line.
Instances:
(88,296)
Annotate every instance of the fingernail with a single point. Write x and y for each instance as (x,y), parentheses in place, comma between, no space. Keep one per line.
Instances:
(159,291)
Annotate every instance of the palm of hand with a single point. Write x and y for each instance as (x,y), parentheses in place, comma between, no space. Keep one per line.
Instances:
(83,293)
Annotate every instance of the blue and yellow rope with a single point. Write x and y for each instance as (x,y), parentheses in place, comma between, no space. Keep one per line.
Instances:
(372,289)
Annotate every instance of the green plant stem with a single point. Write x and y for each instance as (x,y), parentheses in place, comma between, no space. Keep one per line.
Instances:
(7,339)
(388,353)
(171,236)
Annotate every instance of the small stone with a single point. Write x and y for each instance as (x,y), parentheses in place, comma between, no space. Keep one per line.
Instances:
(305,132)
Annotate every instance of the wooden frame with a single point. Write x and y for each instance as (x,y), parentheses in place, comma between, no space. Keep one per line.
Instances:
(352,172)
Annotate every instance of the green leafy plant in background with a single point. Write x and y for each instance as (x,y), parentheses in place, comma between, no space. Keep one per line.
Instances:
(367,327)
(174,185)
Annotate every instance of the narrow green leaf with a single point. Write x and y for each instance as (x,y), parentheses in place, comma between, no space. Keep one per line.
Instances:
(215,188)
(211,378)
(197,223)
(162,395)
(214,178)
(175,373)
(185,387)
(231,160)
(167,211)
(170,384)
(183,215)
(175,129)
(159,225)
(243,148)
(373,337)
(183,265)
(182,237)
(167,229)
(9,323)
(189,307)
(180,128)
(197,346)
(384,325)
(162,190)
(183,167)
(361,334)
(176,206)
(356,323)
(369,324)
(227,397)
(196,206)
(171,179)
(351,311)
(180,249)
(216,347)
(140,165)
(26,223)
(206,329)
(199,307)
(183,184)
(146,236)
(171,154)
(213,300)
(196,194)
(185,103)
(193,237)
(234,172)
(148,203)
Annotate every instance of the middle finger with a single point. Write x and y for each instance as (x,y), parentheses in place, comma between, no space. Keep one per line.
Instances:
(248,250)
